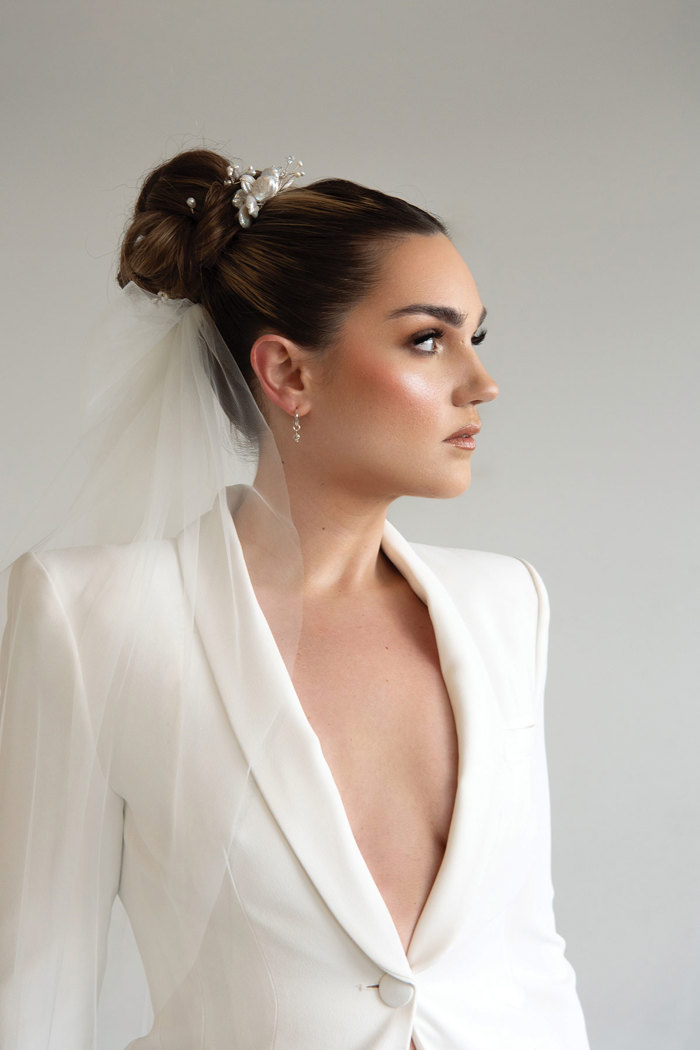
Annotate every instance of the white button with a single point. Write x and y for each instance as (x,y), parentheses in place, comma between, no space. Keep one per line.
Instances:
(394,992)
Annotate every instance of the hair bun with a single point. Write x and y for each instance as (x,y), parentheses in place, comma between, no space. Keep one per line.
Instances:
(182,222)
(215,224)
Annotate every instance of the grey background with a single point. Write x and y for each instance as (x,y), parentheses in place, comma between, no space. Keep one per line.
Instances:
(559,141)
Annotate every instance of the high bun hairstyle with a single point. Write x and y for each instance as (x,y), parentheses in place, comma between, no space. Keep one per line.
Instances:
(311,254)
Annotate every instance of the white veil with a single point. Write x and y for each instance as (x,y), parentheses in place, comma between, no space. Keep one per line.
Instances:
(169,532)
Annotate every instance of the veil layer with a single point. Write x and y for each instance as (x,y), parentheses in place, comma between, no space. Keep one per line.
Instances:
(166,539)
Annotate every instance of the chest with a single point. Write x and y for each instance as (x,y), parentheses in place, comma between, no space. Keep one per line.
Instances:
(369,680)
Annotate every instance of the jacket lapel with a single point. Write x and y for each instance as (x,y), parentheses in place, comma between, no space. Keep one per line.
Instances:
(450,907)
(291,772)
(279,744)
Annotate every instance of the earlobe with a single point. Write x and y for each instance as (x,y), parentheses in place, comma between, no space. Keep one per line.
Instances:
(278,363)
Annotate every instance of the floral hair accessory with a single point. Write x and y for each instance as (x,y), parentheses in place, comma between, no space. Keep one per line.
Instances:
(255,189)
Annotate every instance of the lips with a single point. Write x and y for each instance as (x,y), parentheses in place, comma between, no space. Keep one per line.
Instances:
(465,432)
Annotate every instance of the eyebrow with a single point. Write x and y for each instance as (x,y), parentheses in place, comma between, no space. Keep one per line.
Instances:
(447,314)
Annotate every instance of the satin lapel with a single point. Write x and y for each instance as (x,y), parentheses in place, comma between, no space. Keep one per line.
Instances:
(450,906)
(278,742)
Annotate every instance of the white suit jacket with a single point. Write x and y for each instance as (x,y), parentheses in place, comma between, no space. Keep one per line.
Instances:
(318,963)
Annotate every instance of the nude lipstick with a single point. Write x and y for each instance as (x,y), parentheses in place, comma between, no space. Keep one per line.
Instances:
(464,438)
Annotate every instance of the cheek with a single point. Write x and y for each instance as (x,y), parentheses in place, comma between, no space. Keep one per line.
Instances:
(393,397)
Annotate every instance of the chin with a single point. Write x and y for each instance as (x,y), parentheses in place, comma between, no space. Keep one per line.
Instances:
(450,493)
(447,486)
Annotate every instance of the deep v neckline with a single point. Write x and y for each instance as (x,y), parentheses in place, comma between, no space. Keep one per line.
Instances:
(331,783)
(334,782)
(288,766)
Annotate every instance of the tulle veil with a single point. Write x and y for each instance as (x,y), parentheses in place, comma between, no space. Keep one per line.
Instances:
(104,588)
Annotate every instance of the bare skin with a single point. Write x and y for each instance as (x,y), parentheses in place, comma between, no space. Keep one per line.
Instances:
(368,676)
(376,410)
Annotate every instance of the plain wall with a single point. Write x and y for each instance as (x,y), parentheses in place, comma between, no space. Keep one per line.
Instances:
(559,141)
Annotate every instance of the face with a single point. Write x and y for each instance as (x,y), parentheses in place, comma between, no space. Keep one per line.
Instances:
(388,397)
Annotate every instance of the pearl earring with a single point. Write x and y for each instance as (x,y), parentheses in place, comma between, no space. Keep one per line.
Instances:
(296,427)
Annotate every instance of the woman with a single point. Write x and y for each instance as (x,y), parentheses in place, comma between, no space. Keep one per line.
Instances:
(307,755)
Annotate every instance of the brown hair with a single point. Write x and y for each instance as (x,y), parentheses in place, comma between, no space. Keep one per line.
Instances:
(312,253)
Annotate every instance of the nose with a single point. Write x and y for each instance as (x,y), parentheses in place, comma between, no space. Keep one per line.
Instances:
(476,384)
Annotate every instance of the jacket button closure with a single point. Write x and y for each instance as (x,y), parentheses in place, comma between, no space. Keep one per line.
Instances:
(395,992)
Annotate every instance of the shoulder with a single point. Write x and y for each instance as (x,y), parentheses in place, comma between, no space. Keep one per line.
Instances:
(478,564)
(498,580)
(81,577)
(504,604)
(106,573)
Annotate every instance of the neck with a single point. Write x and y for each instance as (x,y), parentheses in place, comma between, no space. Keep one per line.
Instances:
(339,532)
(340,540)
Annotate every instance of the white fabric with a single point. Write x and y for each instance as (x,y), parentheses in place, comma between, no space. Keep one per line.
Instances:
(173,433)
(258,921)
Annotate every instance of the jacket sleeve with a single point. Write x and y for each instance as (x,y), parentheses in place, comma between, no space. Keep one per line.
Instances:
(60,828)
(538,961)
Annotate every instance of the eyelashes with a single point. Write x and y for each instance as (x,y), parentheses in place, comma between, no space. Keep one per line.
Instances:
(419,339)
(479,335)
(437,333)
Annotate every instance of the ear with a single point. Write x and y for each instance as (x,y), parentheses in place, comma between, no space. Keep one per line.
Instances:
(283,370)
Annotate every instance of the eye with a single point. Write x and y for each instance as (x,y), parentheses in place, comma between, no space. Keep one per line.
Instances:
(427,337)
(479,335)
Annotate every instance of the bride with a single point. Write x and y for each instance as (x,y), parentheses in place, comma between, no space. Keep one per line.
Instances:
(307,754)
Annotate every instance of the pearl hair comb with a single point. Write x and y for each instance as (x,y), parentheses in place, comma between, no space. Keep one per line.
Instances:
(255,191)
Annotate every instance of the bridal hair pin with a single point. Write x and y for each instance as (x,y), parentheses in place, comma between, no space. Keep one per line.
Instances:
(254,190)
